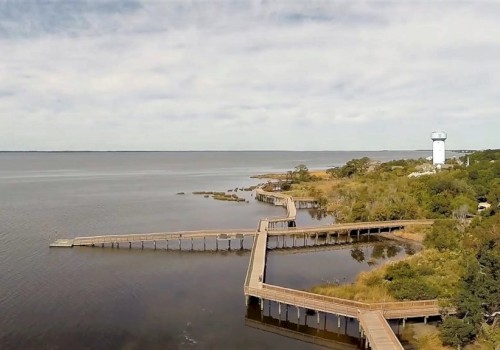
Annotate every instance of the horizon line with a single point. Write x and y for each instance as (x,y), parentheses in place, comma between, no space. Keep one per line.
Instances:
(215,150)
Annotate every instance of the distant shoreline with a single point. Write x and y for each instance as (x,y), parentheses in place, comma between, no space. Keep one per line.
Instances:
(236,151)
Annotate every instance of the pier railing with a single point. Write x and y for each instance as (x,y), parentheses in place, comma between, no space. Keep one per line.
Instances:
(351,308)
(158,236)
(354,226)
(250,263)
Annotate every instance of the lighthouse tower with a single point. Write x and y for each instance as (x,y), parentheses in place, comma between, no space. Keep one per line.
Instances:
(438,157)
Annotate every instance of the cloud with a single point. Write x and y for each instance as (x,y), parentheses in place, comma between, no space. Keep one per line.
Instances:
(247,75)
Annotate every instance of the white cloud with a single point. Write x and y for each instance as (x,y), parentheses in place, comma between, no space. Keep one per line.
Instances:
(193,75)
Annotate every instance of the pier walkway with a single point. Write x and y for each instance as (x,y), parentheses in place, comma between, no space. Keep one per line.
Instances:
(380,334)
(152,237)
(348,228)
(372,316)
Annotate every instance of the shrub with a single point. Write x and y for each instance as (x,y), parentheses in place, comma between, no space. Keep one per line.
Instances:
(457,332)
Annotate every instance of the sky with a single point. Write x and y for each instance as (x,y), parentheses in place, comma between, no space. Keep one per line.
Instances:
(248,75)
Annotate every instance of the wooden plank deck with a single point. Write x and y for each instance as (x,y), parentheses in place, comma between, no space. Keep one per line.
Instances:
(378,332)
(62,243)
(348,227)
(258,258)
(372,316)
(150,237)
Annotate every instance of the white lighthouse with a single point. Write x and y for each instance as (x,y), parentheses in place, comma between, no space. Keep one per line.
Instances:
(438,157)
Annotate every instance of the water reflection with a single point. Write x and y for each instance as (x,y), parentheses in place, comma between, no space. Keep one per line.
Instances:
(318,214)
(357,254)
(307,263)
(332,332)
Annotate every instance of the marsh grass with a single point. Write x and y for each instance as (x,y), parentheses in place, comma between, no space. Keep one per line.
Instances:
(440,271)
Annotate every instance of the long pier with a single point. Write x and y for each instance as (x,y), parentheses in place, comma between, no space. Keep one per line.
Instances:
(373,326)
(238,234)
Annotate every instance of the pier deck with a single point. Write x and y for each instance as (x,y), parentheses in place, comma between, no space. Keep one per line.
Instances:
(335,228)
(372,316)
(152,237)
(62,243)
(378,332)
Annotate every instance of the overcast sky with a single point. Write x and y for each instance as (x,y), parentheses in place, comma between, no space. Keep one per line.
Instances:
(263,75)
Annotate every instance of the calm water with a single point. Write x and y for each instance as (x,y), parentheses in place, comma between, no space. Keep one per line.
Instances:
(94,298)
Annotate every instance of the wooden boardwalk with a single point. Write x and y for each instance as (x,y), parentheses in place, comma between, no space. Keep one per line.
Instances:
(379,335)
(153,237)
(342,307)
(349,227)
(372,316)
(257,265)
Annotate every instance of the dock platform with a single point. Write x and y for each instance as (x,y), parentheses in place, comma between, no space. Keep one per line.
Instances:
(62,243)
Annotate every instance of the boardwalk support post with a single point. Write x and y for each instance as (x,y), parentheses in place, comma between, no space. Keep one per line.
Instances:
(317,316)
(142,244)
(129,245)
(338,321)
(279,309)
(154,242)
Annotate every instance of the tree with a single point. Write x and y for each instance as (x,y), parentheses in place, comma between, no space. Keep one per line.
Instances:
(301,173)
(355,166)
(444,236)
(457,332)
(332,172)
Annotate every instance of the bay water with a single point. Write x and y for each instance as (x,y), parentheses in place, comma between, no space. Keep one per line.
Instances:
(95,298)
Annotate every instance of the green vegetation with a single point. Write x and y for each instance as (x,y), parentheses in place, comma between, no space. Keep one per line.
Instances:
(221,196)
(461,259)
(426,275)
(366,191)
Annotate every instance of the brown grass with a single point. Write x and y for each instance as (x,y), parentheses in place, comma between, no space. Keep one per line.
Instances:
(424,337)
(368,287)
(413,232)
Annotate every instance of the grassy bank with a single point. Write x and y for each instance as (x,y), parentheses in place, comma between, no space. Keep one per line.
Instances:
(426,275)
